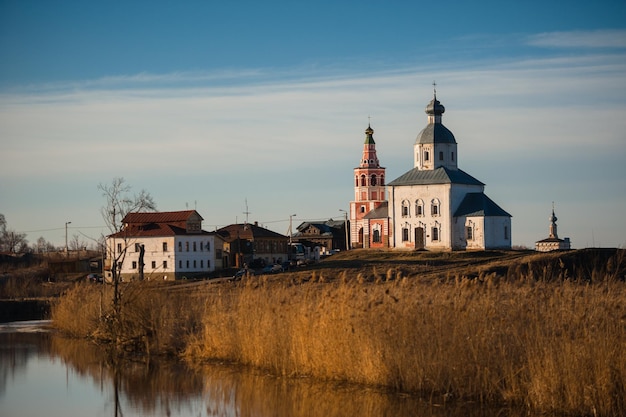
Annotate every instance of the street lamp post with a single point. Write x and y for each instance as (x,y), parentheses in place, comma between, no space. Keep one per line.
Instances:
(346,227)
(66,249)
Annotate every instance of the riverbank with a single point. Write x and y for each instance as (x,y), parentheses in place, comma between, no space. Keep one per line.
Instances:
(546,331)
(17,310)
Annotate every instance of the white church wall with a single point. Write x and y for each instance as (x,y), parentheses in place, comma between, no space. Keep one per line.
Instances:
(498,233)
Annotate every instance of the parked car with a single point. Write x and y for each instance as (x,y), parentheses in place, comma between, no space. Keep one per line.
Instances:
(94,278)
(273,269)
(239,274)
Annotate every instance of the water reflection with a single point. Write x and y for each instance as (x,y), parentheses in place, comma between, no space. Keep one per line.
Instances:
(56,376)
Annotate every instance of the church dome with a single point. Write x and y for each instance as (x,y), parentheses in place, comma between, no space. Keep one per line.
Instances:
(435,107)
(435,133)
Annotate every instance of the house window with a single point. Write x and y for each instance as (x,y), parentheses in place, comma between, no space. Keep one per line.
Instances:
(201,263)
(405,234)
(435,234)
(194,246)
(186,246)
(405,208)
(469,233)
(376,237)
(153,264)
(134,264)
(187,264)
(119,248)
(119,266)
(194,263)
(180,264)
(137,247)
(373,179)
(208,246)
(164,264)
(180,246)
(164,246)
(208,264)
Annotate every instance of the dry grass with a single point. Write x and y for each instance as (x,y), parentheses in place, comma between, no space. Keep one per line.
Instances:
(548,332)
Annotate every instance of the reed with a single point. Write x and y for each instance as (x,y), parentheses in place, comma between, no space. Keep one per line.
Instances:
(547,332)
(550,346)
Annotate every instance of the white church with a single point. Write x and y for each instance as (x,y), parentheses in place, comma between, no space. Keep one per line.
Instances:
(436,205)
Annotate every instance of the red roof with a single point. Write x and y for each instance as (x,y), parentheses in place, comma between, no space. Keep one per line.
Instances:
(159,217)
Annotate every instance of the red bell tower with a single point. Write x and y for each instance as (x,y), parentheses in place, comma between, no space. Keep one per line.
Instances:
(369,195)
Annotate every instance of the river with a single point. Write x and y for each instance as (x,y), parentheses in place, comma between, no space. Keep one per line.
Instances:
(44,374)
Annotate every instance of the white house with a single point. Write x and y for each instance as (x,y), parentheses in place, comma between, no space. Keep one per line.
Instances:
(173,243)
(436,205)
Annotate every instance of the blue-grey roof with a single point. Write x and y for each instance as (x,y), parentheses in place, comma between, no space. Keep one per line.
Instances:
(441,175)
(435,133)
(380,212)
(478,204)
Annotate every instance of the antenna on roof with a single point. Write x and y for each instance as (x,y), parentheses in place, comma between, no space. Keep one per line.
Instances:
(246,212)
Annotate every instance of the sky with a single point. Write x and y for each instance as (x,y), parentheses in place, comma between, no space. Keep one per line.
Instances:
(255,111)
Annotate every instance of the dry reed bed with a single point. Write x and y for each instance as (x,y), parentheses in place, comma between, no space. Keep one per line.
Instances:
(551,346)
(548,336)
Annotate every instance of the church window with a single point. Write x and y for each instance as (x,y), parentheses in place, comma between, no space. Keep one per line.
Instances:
(441,155)
(362,180)
(435,234)
(405,208)
(374,195)
(506,232)
(376,237)
(405,234)
(362,209)
(382,180)
(469,233)
(434,207)
(419,208)
(426,155)
(452,155)
(373,179)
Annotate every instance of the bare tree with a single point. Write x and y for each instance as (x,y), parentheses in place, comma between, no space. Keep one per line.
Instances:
(120,202)
(10,240)
(76,243)
(42,245)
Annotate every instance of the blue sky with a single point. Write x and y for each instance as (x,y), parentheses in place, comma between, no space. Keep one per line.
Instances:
(208,105)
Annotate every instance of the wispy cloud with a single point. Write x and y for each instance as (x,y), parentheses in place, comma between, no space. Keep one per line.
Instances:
(580,39)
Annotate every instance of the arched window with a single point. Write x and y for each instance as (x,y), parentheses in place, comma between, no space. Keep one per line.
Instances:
(405,234)
(435,234)
(373,179)
(362,209)
(382,180)
(405,208)
(363,180)
(426,155)
(376,236)
(356,181)
(435,209)
(419,207)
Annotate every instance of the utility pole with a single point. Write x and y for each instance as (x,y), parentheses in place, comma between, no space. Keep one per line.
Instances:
(346,227)
(66,249)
